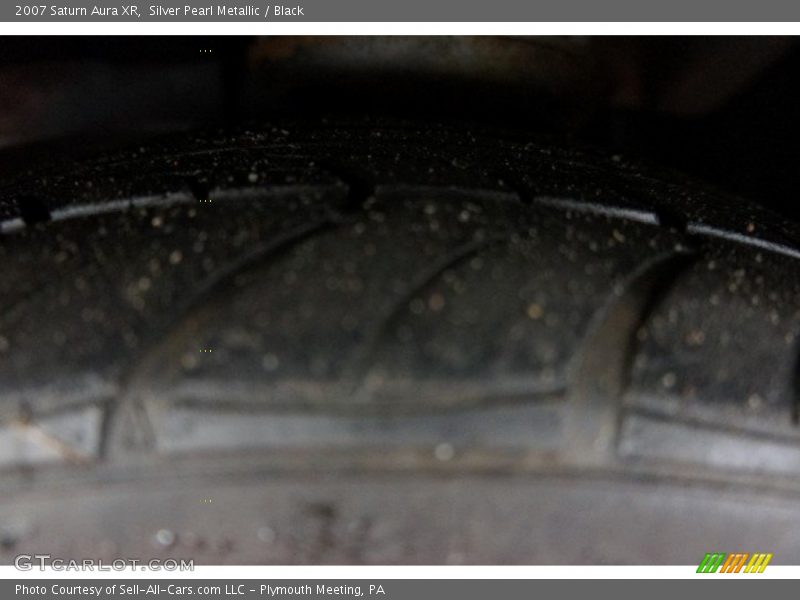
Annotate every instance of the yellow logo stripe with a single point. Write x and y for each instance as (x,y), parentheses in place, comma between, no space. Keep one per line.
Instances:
(758,563)
(765,563)
(754,563)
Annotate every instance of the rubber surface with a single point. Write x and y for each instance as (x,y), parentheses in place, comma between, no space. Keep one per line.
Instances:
(392,343)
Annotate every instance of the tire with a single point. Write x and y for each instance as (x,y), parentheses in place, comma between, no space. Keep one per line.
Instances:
(392,343)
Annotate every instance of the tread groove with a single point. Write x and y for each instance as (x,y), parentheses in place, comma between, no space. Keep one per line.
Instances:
(362,367)
(602,373)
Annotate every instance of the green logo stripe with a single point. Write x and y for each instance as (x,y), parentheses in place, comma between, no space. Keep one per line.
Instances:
(711,562)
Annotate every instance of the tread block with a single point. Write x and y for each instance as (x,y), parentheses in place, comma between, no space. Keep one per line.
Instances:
(721,345)
(81,300)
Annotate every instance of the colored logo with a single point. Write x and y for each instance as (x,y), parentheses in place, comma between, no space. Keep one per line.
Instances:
(734,563)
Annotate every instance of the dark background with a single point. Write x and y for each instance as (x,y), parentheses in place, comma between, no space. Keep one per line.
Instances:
(725,110)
